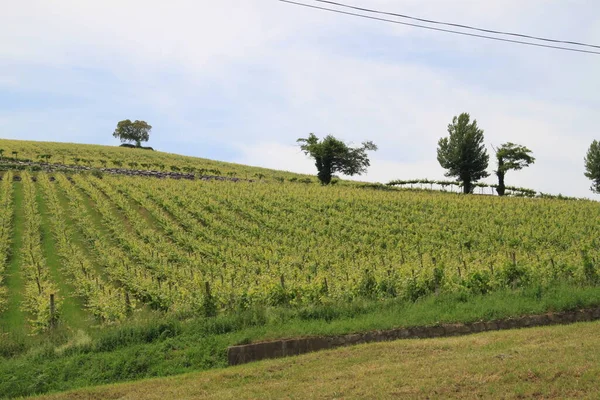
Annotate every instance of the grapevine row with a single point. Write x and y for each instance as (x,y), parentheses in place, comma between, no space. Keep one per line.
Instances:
(98,294)
(6,222)
(39,288)
(115,263)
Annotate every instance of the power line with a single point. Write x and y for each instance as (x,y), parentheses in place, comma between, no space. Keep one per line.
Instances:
(430,21)
(440,29)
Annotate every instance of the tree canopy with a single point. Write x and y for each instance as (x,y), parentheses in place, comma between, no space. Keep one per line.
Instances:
(463,153)
(137,131)
(511,156)
(332,155)
(592,166)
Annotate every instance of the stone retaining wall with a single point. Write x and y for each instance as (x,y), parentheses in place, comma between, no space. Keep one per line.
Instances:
(290,347)
(124,171)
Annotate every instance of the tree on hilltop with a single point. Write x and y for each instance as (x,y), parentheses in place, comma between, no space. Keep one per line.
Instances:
(592,166)
(137,132)
(511,156)
(463,153)
(331,155)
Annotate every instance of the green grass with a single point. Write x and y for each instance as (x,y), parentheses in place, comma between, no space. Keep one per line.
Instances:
(73,313)
(550,362)
(166,346)
(13,320)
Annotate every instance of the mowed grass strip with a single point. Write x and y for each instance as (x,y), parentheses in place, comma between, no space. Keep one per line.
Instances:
(549,362)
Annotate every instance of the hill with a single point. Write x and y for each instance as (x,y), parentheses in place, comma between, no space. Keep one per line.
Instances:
(106,277)
(550,363)
(97,156)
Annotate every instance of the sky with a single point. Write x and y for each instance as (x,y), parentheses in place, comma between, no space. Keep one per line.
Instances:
(242,80)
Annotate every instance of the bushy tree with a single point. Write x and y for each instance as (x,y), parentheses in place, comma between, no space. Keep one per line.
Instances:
(332,155)
(137,131)
(511,156)
(463,153)
(592,166)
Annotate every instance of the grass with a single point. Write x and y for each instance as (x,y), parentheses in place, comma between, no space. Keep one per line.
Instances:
(166,346)
(551,362)
(13,320)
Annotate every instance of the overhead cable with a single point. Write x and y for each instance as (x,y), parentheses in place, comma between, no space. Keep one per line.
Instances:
(440,29)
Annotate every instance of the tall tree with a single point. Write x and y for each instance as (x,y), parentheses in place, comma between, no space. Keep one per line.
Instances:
(137,131)
(332,155)
(592,166)
(511,156)
(463,153)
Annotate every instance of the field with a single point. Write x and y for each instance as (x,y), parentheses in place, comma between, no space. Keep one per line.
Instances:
(98,269)
(550,363)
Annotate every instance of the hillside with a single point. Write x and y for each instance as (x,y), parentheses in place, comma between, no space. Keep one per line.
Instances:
(550,363)
(98,270)
(97,156)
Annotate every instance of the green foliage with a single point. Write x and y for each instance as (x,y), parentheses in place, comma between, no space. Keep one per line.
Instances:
(511,156)
(163,346)
(463,153)
(592,166)
(479,282)
(590,271)
(332,155)
(514,275)
(137,131)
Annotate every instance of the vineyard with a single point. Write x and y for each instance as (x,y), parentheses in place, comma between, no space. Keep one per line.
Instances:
(124,245)
(155,263)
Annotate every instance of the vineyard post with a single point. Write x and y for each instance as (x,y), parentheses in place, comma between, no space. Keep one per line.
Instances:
(127,303)
(52,311)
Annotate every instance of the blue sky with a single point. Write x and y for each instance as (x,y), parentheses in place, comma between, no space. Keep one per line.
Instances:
(241,80)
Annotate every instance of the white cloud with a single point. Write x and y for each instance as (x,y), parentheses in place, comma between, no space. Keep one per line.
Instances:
(276,156)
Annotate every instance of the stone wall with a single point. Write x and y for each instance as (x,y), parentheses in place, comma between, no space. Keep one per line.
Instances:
(290,347)
(121,171)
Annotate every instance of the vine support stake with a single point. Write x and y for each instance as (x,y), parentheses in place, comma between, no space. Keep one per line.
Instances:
(52,311)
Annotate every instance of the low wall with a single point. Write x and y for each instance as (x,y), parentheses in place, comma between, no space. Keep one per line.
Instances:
(290,347)
(122,171)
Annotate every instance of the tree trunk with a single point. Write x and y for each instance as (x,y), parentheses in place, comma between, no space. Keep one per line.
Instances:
(501,189)
(324,168)
(466,186)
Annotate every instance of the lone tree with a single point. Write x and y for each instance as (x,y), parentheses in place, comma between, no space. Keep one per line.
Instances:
(463,153)
(137,131)
(592,166)
(511,156)
(332,155)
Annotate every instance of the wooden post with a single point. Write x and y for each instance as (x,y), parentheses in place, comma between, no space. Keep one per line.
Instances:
(127,303)
(52,311)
